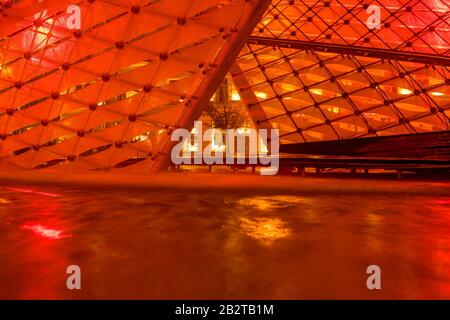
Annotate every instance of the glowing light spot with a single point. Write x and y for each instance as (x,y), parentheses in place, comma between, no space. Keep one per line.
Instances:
(6,71)
(45,232)
(317,91)
(235,96)
(270,202)
(437,94)
(374,219)
(445,201)
(334,109)
(23,190)
(261,95)
(403,91)
(266,230)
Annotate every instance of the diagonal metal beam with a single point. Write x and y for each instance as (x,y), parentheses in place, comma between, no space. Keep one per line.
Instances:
(352,50)
(223,61)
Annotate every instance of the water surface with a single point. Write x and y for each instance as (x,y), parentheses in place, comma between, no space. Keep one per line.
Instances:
(215,243)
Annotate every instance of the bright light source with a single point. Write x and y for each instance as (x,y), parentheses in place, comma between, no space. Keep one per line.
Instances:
(45,232)
(317,91)
(403,91)
(261,95)
(235,96)
(334,109)
(437,94)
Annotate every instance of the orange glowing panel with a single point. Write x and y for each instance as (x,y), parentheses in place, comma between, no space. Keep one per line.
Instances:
(321,70)
(100,85)
(409,25)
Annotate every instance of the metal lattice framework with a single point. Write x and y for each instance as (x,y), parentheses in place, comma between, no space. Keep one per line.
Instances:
(406,25)
(108,95)
(317,72)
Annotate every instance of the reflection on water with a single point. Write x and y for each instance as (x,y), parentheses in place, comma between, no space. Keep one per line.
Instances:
(265,229)
(210,243)
(270,202)
(44,231)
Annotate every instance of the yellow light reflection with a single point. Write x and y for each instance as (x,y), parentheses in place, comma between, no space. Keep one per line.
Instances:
(270,202)
(334,109)
(266,230)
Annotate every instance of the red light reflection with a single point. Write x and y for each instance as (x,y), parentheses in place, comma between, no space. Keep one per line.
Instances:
(23,190)
(45,232)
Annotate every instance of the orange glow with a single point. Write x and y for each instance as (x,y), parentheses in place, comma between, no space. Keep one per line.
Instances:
(235,96)
(309,79)
(270,202)
(267,230)
(75,100)
(107,95)
(404,91)
(261,95)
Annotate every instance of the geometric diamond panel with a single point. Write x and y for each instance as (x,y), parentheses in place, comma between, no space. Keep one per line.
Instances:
(101,85)
(315,95)
(406,25)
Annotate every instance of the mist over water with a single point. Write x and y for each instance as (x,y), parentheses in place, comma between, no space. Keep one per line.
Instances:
(312,240)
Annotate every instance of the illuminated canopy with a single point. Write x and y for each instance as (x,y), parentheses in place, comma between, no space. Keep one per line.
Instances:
(107,93)
(315,69)
(107,96)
